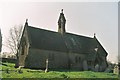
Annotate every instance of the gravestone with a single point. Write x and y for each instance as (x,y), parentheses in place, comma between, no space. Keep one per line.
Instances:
(97,67)
(46,70)
(116,70)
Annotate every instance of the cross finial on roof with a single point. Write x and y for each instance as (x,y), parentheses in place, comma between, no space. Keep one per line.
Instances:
(62,11)
(26,23)
(26,20)
(94,34)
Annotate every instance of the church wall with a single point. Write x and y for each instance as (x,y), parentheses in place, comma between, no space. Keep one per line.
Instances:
(22,56)
(37,59)
(76,61)
(23,50)
(103,64)
(56,60)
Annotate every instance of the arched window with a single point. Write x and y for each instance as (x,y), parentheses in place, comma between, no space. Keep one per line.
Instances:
(77,59)
(23,46)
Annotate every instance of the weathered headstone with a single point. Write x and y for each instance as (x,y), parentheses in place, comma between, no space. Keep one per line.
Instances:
(46,70)
(97,67)
(116,70)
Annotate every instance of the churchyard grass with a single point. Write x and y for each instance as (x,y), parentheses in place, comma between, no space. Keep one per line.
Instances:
(8,71)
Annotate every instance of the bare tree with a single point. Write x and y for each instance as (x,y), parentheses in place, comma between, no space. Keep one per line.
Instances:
(14,37)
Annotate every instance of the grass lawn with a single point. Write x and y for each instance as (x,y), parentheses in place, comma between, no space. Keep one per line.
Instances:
(8,71)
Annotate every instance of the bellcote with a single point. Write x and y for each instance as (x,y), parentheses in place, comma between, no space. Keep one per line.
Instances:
(61,23)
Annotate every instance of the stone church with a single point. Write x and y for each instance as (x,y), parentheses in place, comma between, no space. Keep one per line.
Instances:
(63,50)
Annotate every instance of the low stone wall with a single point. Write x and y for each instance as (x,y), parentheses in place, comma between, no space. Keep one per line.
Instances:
(8,60)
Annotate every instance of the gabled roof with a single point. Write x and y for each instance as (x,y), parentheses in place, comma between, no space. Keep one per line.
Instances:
(54,41)
(47,40)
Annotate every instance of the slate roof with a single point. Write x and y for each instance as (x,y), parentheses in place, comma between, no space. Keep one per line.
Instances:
(54,41)
(47,40)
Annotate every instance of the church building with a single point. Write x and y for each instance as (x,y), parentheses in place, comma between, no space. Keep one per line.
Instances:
(63,50)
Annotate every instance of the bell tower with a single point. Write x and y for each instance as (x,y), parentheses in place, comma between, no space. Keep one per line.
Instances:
(61,23)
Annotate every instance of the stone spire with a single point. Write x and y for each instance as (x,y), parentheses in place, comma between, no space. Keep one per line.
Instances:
(61,23)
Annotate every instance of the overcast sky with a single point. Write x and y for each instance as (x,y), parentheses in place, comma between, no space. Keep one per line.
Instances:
(83,18)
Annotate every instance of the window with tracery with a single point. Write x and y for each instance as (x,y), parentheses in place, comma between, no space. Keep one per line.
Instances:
(77,59)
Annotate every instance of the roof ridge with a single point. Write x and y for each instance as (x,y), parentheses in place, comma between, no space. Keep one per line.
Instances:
(42,29)
(57,32)
(79,35)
